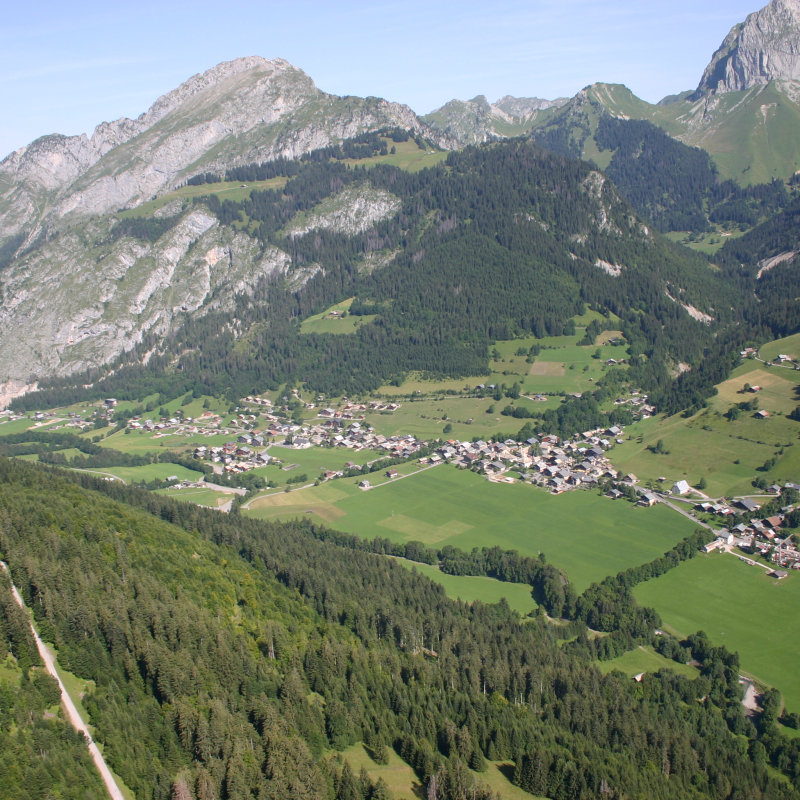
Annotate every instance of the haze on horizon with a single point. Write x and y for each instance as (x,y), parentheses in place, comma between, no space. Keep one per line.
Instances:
(67,68)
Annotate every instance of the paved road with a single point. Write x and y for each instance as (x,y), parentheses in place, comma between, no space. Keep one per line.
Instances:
(72,711)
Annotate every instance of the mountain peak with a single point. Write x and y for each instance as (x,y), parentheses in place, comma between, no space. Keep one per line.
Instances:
(763,48)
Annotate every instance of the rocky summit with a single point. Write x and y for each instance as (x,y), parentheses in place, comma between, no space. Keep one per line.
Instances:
(764,48)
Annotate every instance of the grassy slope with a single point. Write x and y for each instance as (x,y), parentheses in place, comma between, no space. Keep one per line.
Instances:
(708,444)
(404,784)
(721,595)
(645,659)
(587,535)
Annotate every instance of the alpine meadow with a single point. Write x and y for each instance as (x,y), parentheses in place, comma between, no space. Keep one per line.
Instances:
(348,453)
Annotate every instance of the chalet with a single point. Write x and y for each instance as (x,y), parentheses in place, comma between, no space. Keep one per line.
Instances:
(614,494)
(763,414)
(364,485)
(681,488)
(392,473)
(783,358)
(746,504)
(779,574)
(774,522)
(754,389)
(327,413)
(648,499)
(630,478)
(111,402)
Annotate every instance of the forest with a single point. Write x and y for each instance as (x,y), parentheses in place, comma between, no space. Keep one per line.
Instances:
(235,667)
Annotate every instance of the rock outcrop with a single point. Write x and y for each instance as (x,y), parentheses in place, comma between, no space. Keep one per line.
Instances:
(763,48)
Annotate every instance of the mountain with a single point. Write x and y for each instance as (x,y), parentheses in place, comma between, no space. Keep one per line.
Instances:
(501,240)
(477,120)
(238,112)
(745,112)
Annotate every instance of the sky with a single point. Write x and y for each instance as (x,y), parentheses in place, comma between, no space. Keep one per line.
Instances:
(66,67)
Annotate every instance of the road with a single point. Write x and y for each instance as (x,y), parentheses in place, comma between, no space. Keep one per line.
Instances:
(72,712)
(104,474)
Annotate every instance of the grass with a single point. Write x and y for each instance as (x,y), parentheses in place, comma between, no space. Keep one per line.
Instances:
(405,785)
(739,606)
(151,472)
(227,190)
(708,445)
(789,346)
(202,497)
(408,156)
(706,243)
(322,323)
(587,535)
(645,659)
(471,588)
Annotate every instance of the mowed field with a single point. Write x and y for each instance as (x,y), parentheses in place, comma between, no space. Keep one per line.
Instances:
(470,588)
(739,606)
(587,535)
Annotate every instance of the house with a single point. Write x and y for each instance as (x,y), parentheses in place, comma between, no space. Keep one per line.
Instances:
(681,488)
(648,499)
(779,574)
(754,389)
(630,478)
(365,485)
(110,403)
(327,413)
(762,414)
(774,522)
(392,473)
(746,504)
(783,358)
(614,494)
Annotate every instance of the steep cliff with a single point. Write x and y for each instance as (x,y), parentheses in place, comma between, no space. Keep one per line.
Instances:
(764,48)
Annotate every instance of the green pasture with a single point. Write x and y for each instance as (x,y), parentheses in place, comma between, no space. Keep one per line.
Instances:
(706,243)
(424,418)
(471,588)
(404,784)
(645,659)
(788,346)
(202,497)
(408,156)
(587,535)
(150,472)
(227,190)
(709,445)
(323,323)
(17,426)
(779,392)
(739,606)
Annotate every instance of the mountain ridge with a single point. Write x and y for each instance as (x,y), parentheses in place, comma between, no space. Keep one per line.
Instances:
(238,112)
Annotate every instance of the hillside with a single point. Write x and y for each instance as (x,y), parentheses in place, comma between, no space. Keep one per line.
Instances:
(501,240)
(234,668)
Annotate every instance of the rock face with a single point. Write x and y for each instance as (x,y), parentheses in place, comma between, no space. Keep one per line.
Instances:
(764,48)
(79,301)
(241,111)
(477,120)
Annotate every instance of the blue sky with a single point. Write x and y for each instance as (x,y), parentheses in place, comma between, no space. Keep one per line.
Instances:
(65,67)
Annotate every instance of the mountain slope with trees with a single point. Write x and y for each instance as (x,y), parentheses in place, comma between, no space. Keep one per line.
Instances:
(229,669)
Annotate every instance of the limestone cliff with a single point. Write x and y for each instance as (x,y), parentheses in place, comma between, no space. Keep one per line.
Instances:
(763,48)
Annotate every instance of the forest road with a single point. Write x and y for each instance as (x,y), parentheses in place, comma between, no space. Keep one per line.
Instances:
(72,711)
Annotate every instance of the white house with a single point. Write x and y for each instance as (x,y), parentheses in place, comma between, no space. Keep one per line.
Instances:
(681,487)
